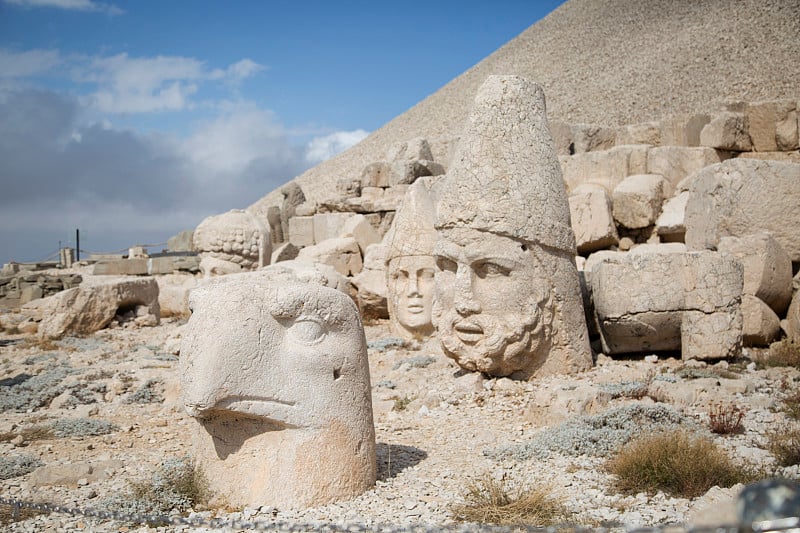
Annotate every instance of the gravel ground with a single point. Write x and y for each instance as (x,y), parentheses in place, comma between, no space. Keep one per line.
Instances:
(447,430)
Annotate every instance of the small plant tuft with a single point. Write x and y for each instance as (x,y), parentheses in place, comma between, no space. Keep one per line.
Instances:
(726,419)
(400,404)
(18,465)
(783,353)
(784,444)
(82,427)
(150,392)
(791,405)
(489,501)
(178,485)
(678,463)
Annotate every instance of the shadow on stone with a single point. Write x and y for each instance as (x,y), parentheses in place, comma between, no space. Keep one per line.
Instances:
(394,458)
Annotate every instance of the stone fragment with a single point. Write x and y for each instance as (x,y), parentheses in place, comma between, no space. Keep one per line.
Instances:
(793,319)
(683,130)
(727,131)
(767,268)
(211,267)
(293,199)
(645,133)
(329,225)
(358,227)
(182,242)
(769,499)
(414,149)
(237,236)
(670,301)
(92,306)
(284,252)
(773,125)
(371,283)
(676,162)
(670,225)
(507,296)
(760,324)
(743,196)
(301,231)
(341,253)
(591,218)
(562,137)
(591,138)
(278,387)
(637,200)
(660,248)
(606,167)
(788,157)
(120,267)
(376,175)
(173,293)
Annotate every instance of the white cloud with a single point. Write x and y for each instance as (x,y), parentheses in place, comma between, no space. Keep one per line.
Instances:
(150,84)
(28,63)
(75,5)
(321,148)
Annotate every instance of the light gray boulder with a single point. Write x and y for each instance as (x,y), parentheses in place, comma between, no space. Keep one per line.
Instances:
(767,267)
(591,218)
(637,200)
(760,325)
(742,196)
(728,131)
(341,253)
(94,304)
(670,301)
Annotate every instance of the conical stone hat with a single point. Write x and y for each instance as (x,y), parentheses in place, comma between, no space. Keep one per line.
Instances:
(505,177)
(412,232)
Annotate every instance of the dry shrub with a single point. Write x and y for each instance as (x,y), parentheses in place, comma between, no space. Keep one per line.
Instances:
(791,405)
(726,419)
(488,501)
(784,444)
(784,353)
(676,462)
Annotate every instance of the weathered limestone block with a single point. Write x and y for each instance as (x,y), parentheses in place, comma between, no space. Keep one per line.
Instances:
(670,224)
(211,267)
(276,378)
(358,227)
(760,325)
(371,283)
(767,268)
(743,196)
(93,305)
(329,225)
(410,265)
(443,149)
(773,125)
(792,324)
(237,236)
(376,175)
(637,200)
(659,248)
(788,157)
(120,267)
(507,296)
(606,167)
(591,218)
(301,231)
(293,199)
(562,137)
(400,172)
(727,131)
(348,188)
(671,301)
(683,130)
(341,253)
(182,242)
(591,138)
(676,162)
(173,293)
(172,263)
(414,149)
(644,133)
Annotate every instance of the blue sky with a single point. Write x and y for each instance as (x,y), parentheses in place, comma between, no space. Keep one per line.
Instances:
(135,120)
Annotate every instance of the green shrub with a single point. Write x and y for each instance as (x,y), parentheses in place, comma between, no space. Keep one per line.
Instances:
(676,462)
(490,502)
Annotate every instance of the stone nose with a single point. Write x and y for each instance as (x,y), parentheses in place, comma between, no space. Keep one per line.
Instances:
(463,292)
(412,286)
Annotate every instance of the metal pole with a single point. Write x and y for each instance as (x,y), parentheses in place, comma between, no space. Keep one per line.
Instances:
(77,245)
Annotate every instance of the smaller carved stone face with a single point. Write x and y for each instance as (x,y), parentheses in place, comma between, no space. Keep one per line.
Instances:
(489,301)
(410,284)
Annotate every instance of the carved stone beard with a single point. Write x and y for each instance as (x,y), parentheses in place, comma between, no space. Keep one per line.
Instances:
(512,345)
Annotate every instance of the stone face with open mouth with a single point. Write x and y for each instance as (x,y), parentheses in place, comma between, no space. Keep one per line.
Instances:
(276,376)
